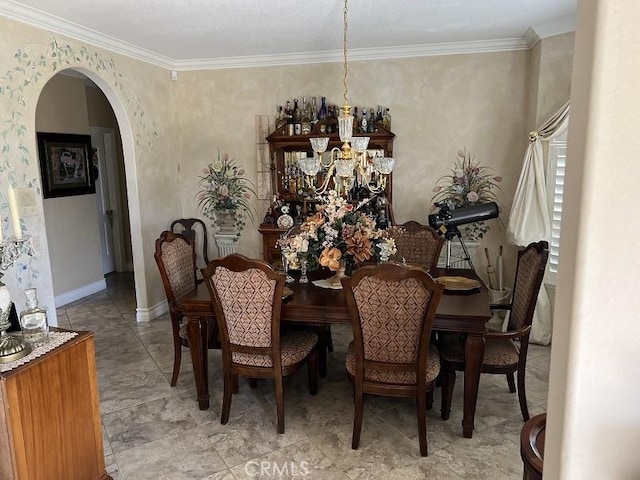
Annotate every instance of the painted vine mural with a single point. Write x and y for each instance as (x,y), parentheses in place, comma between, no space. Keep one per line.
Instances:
(19,88)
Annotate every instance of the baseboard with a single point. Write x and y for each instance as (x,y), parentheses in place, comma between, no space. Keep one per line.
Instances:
(68,297)
(148,314)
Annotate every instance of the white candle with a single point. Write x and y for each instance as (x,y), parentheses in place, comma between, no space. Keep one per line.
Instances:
(15,215)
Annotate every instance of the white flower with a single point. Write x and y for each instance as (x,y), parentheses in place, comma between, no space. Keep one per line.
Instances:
(472,196)
(217,166)
(300,244)
(459,173)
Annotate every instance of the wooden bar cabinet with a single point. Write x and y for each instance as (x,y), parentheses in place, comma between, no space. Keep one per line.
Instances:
(50,416)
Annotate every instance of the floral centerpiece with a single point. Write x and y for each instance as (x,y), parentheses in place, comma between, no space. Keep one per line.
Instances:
(225,194)
(468,184)
(338,236)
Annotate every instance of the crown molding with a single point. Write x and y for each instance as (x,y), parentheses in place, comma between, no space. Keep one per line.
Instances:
(38,19)
(534,34)
(355,54)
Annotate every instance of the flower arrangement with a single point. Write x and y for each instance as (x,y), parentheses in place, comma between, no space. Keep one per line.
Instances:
(225,192)
(338,235)
(468,184)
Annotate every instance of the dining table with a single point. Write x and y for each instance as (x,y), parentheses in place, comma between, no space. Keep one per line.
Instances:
(464,312)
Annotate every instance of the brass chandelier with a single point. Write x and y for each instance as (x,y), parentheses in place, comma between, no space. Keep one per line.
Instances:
(345,164)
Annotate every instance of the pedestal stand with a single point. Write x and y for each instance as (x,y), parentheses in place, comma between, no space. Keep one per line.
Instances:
(227,243)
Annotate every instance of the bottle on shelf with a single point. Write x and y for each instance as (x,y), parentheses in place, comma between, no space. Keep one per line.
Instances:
(33,320)
(364,123)
(322,112)
(280,120)
(314,111)
(371,124)
(386,120)
(289,119)
(356,120)
(305,123)
(297,118)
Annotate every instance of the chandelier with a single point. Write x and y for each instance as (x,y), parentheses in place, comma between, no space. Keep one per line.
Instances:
(347,164)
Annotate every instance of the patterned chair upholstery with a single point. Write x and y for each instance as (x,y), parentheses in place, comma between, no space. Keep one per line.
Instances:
(247,295)
(175,257)
(505,352)
(417,244)
(189,227)
(392,310)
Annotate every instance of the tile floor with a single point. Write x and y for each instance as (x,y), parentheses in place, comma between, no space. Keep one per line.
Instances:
(153,431)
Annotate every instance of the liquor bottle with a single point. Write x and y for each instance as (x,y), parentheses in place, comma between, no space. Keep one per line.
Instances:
(386,120)
(279,122)
(289,119)
(379,114)
(33,320)
(322,113)
(306,119)
(364,123)
(297,118)
(314,111)
(371,124)
(356,120)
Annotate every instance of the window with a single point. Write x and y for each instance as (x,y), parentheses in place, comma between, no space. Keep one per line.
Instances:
(557,155)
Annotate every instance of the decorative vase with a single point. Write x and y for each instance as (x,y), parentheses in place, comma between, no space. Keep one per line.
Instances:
(340,273)
(226,220)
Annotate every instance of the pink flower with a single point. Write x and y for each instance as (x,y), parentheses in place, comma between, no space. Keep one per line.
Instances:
(437,188)
(225,157)
(205,170)
(223,190)
(472,196)
(241,171)
(247,196)
(459,174)
(497,178)
(201,197)
(460,153)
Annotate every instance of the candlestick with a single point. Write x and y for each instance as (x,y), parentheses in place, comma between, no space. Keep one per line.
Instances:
(15,214)
(1,229)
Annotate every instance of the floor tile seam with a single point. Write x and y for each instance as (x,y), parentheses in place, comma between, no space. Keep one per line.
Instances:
(175,432)
(132,405)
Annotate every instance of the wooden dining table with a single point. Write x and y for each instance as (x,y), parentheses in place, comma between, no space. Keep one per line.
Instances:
(460,312)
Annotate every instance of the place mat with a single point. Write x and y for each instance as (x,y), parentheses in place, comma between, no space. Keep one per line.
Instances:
(458,284)
(325,283)
(55,340)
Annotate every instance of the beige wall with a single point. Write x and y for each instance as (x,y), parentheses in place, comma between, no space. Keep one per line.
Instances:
(439,105)
(593,423)
(72,222)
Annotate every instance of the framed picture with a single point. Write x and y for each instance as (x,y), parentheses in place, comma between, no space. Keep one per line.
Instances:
(65,164)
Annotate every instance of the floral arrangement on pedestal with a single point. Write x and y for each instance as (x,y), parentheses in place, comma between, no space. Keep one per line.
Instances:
(225,194)
(338,236)
(468,184)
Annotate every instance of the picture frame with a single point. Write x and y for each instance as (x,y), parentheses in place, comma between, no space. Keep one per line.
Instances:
(65,164)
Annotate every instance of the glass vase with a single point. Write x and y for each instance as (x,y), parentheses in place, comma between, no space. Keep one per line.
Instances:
(303,271)
(285,265)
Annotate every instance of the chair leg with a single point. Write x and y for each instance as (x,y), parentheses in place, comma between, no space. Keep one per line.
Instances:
(329,339)
(357,417)
(522,394)
(253,382)
(226,399)
(177,358)
(422,422)
(512,383)
(312,367)
(448,382)
(177,351)
(236,387)
(279,402)
(429,399)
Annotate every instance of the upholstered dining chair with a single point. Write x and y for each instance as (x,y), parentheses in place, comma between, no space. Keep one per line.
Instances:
(189,227)
(247,295)
(392,310)
(417,244)
(505,352)
(176,259)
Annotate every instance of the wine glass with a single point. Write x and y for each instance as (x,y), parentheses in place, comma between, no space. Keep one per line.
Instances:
(285,264)
(303,270)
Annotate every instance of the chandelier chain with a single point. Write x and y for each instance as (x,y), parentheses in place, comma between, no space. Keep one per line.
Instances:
(346,11)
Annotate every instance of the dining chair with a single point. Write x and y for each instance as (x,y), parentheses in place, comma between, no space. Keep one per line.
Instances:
(176,259)
(392,309)
(505,352)
(189,227)
(417,244)
(247,295)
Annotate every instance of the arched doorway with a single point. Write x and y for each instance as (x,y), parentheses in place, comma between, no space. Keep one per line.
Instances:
(72,224)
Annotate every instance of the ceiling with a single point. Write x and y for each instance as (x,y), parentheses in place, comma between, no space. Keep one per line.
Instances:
(191,34)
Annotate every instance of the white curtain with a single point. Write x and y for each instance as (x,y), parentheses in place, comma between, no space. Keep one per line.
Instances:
(529,220)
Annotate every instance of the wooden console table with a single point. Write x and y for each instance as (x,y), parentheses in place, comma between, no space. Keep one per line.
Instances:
(50,416)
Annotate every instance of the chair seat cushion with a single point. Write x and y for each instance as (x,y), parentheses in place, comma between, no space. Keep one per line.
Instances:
(497,353)
(294,346)
(399,378)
